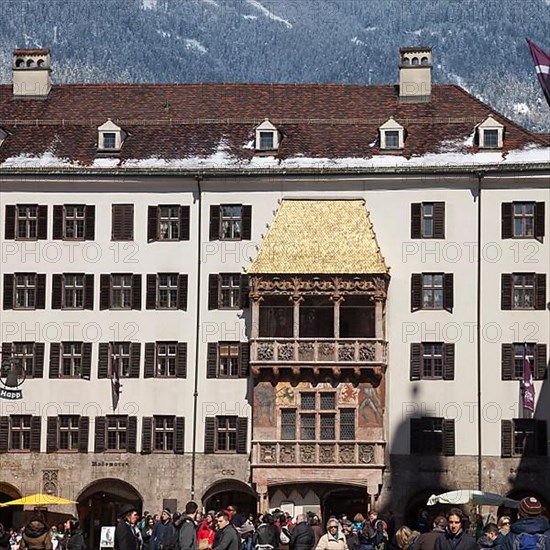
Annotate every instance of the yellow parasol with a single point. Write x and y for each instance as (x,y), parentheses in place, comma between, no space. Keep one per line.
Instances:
(38,500)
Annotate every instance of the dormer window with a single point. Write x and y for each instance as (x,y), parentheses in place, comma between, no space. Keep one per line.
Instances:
(490,134)
(392,135)
(110,137)
(267,137)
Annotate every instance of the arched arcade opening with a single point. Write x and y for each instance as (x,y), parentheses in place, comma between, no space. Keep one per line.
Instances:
(10,516)
(230,491)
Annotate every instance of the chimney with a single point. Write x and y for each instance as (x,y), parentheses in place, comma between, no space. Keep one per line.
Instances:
(415,74)
(31,73)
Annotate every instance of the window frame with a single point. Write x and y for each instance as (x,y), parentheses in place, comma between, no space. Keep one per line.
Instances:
(75,289)
(161,428)
(524,217)
(432,357)
(72,355)
(72,431)
(166,356)
(23,433)
(77,220)
(232,290)
(119,428)
(529,447)
(169,289)
(24,357)
(523,289)
(433,288)
(28,289)
(115,349)
(233,357)
(233,220)
(27,219)
(226,430)
(172,220)
(389,136)
(425,217)
(123,289)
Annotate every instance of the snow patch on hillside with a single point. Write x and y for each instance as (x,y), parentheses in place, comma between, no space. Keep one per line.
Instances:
(192,44)
(148,4)
(358,41)
(269,14)
(522,108)
(250,17)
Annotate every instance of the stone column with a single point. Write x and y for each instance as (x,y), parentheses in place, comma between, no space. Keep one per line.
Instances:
(296,317)
(379,318)
(263,498)
(337,299)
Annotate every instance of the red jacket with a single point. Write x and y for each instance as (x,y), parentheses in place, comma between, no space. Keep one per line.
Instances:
(205,532)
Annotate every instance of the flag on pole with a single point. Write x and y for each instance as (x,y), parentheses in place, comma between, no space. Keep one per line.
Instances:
(115,382)
(542,66)
(528,387)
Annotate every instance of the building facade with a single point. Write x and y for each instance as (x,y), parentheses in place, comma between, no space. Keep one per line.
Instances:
(313,297)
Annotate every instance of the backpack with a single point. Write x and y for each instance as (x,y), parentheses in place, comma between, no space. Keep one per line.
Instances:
(525,541)
(284,537)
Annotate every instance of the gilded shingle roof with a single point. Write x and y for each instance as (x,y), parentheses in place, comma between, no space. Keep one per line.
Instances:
(320,237)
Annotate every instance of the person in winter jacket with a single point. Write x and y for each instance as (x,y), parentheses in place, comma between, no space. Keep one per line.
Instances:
(455,538)
(4,538)
(147,533)
(36,535)
(229,539)
(302,536)
(334,539)
(491,538)
(352,538)
(125,535)
(73,537)
(187,537)
(531,523)
(267,533)
(426,541)
(372,532)
(164,533)
(206,532)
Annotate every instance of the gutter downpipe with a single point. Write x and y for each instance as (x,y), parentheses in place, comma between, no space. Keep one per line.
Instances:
(478,337)
(198,179)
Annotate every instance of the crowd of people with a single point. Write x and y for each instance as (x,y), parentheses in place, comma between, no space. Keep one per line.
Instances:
(227,529)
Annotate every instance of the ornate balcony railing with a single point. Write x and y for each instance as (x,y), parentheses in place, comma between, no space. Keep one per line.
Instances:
(319,350)
(315,453)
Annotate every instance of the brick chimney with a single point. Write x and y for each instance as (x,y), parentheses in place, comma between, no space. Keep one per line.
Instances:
(415,74)
(31,73)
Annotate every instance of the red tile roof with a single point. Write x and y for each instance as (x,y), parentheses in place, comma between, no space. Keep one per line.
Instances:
(190,120)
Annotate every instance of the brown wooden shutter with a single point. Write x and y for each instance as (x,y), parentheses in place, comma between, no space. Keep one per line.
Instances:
(149,366)
(540,367)
(215,222)
(185,223)
(212,360)
(209,434)
(540,291)
(6,350)
(542,439)
(131,435)
(55,359)
(506,438)
(151,292)
(103,361)
(179,435)
(8,290)
(182,292)
(245,292)
(213,284)
(506,291)
(507,220)
(42,229)
(86,360)
(38,360)
(242,434)
(89,222)
(104,291)
(246,232)
(152,223)
(439,220)
(244,360)
(57,232)
(507,362)
(135,358)
(416,220)
(51,434)
(83,433)
(448,292)
(146,435)
(539,220)
(89,292)
(57,290)
(416,361)
(122,222)
(99,439)
(416,291)
(36,431)
(41,291)
(448,437)
(181,365)
(136,291)
(4,434)
(449,365)
(416,435)
(9,222)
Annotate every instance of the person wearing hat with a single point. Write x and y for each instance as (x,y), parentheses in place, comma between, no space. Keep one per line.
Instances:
(334,539)
(165,536)
(125,534)
(246,530)
(531,531)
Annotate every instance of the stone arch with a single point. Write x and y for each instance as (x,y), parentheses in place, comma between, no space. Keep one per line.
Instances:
(224,492)
(417,503)
(10,516)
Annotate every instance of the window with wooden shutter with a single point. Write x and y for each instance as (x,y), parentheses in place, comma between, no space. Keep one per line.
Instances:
(182,292)
(42,222)
(416,221)
(131,445)
(103,360)
(506,291)
(146,435)
(9,222)
(135,359)
(242,434)
(149,366)
(539,221)
(166,359)
(209,434)
(86,360)
(214,222)
(136,292)
(507,362)
(122,228)
(89,223)
(527,436)
(416,361)
(185,222)
(245,292)
(179,439)
(507,228)
(246,223)
(541,362)
(55,359)
(229,358)
(164,433)
(51,434)
(68,432)
(83,434)
(99,437)
(41,291)
(104,291)
(226,434)
(4,434)
(28,222)
(152,223)
(439,220)
(57,289)
(432,436)
(89,292)
(448,437)
(57,229)
(448,292)
(36,431)
(244,364)
(416,291)
(213,291)
(540,291)
(151,291)
(212,360)
(38,371)
(181,366)
(449,361)
(415,435)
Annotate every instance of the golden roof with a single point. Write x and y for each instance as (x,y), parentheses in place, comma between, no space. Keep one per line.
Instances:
(320,236)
